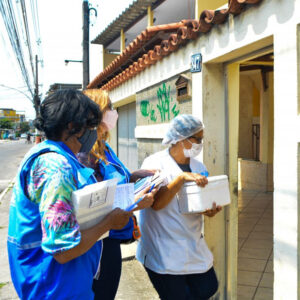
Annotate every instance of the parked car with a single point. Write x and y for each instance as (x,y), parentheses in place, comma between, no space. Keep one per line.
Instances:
(23,136)
(12,136)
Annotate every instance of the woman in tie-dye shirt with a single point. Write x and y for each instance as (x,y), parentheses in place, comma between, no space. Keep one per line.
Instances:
(59,226)
(49,256)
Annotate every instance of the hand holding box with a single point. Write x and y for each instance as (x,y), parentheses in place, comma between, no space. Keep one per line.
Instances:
(196,199)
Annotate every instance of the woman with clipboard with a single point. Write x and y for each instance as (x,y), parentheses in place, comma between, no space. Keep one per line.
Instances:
(107,166)
(50,257)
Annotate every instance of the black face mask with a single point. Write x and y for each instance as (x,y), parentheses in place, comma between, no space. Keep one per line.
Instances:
(87,140)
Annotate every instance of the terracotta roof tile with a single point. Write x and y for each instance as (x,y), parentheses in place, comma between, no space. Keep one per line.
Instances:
(176,34)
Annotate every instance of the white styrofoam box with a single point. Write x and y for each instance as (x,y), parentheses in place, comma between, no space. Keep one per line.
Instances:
(194,199)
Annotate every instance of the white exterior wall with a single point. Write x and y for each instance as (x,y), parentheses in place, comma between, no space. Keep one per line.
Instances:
(255,29)
(96,60)
(286,163)
(224,42)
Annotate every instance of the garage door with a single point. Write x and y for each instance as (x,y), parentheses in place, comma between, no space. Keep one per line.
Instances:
(127,145)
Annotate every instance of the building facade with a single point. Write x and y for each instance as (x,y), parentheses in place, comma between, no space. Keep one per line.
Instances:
(236,66)
(11,114)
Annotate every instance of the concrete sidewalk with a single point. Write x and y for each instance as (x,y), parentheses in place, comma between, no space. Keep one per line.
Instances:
(7,290)
(134,282)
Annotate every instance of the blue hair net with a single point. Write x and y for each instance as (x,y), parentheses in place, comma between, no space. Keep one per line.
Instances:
(182,127)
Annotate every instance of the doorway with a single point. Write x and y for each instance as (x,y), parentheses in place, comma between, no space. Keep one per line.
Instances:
(255,140)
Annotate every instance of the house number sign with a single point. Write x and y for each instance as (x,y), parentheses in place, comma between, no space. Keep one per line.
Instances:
(196,63)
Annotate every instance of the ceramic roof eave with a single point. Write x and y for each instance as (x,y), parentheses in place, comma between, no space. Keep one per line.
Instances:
(179,33)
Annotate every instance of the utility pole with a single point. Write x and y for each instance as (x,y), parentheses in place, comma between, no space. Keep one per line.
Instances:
(36,99)
(85,43)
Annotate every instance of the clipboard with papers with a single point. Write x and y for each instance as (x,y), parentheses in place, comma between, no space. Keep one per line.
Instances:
(93,202)
(150,181)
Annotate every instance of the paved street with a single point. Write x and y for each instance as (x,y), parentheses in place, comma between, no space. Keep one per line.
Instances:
(11,154)
(134,281)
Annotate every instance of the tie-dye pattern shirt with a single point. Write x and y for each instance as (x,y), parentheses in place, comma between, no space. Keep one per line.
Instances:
(50,184)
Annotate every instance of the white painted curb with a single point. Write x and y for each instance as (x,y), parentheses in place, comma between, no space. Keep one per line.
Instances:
(10,185)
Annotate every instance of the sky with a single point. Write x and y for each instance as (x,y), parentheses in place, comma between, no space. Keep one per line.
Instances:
(61,38)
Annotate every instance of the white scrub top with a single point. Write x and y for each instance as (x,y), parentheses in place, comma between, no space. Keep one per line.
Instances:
(172,243)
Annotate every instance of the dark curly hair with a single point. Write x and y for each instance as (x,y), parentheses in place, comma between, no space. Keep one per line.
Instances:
(64,107)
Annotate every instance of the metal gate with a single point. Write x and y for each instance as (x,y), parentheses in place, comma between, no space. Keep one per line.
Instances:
(127,145)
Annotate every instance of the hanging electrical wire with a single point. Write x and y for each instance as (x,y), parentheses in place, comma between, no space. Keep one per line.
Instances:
(36,26)
(16,19)
(19,17)
(27,34)
(13,34)
(9,88)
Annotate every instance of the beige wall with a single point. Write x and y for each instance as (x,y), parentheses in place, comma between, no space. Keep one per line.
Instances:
(246,117)
(253,174)
(158,104)
(214,157)
(108,58)
(201,5)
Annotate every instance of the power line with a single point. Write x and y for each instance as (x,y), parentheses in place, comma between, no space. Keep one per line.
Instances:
(19,17)
(35,19)
(13,34)
(36,26)
(17,90)
(27,34)
(23,88)
(17,87)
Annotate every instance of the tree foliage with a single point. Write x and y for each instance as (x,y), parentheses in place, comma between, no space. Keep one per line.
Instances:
(6,124)
(24,127)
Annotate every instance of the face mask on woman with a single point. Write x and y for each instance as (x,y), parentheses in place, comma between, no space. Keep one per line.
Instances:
(193,151)
(110,119)
(87,140)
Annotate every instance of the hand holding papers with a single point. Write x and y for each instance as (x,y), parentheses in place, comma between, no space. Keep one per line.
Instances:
(135,204)
(95,201)
(157,179)
(128,196)
(124,197)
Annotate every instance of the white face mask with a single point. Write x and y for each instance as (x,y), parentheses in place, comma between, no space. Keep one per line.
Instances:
(110,119)
(194,151)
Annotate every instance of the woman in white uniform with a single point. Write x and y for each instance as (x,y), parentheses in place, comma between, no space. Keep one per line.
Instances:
(172,247)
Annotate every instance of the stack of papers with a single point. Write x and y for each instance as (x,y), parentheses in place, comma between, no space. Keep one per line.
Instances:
(93,202)
(155,180)
(124,196)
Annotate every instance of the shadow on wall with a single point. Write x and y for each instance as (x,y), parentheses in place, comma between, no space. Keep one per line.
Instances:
(283,10)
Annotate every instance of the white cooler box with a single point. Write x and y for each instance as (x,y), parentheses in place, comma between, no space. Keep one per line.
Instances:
(195,199)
